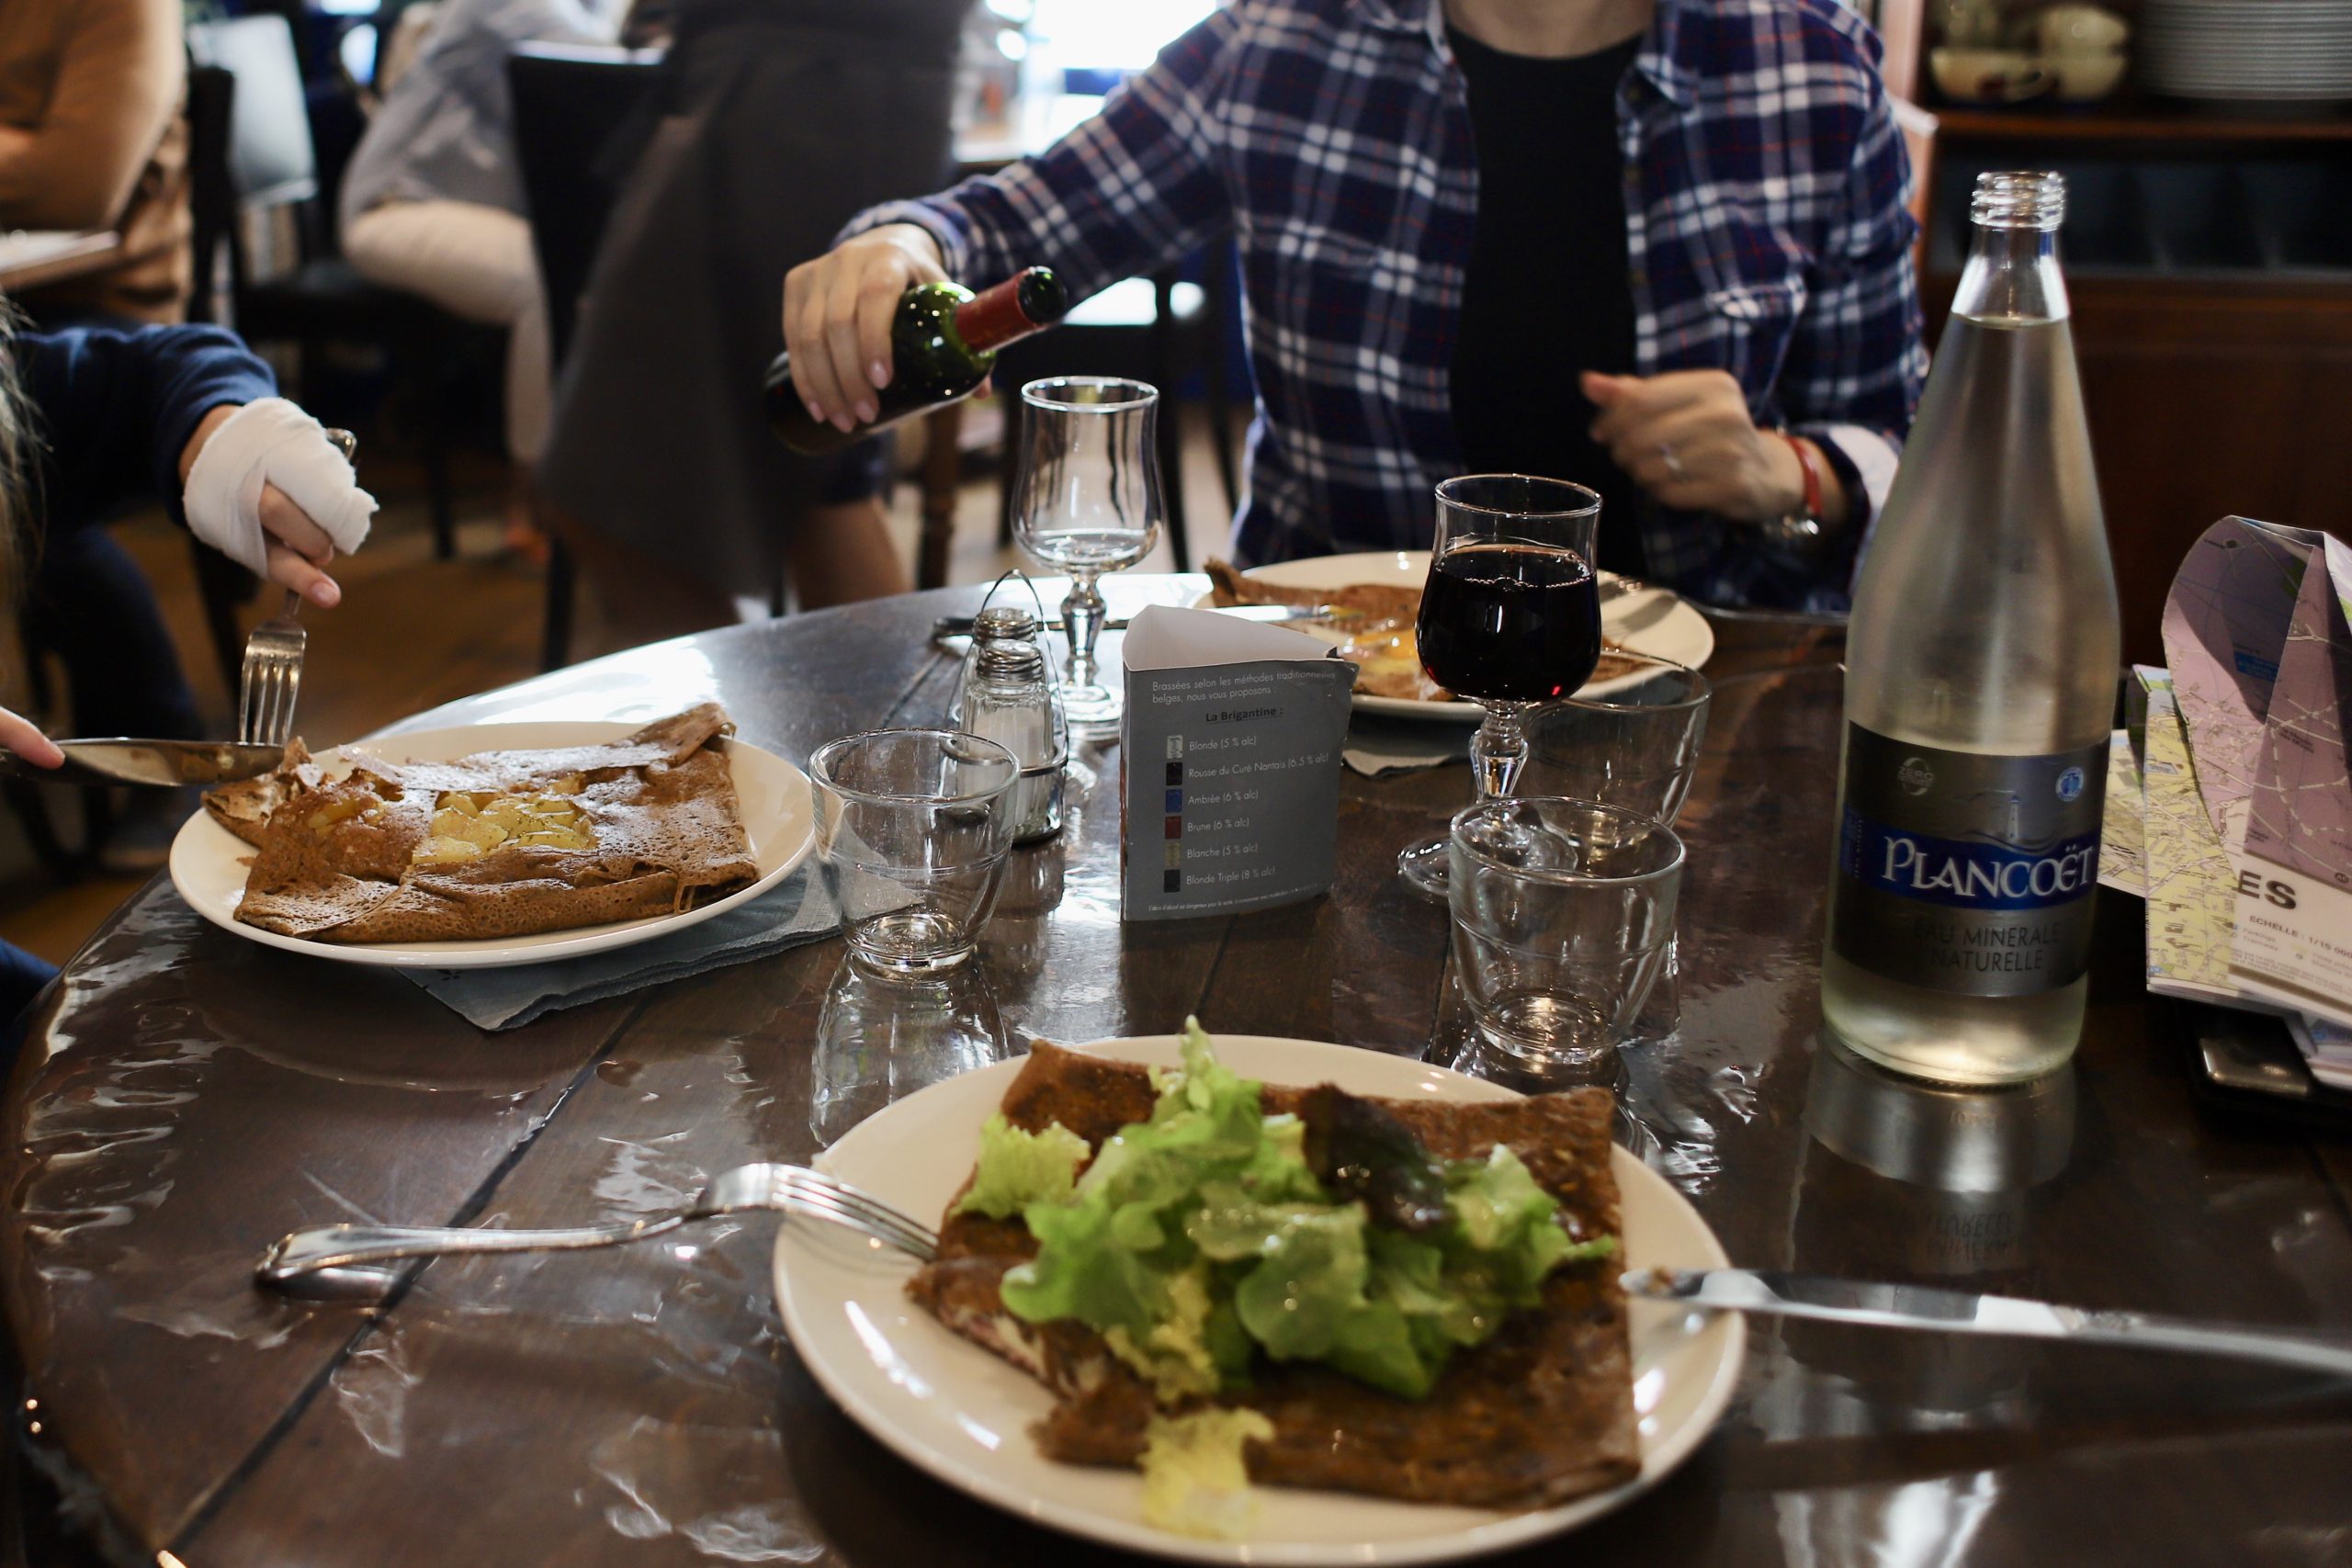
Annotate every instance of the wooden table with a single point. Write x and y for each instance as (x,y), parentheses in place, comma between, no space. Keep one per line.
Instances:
(187,1096)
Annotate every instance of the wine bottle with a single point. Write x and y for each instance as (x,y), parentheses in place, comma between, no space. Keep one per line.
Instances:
(943,342)
(1981,665)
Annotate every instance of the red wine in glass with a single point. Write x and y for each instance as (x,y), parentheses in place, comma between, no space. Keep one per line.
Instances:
(1506,622)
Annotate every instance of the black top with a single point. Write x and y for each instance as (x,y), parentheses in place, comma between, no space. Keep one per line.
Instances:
(1548,294)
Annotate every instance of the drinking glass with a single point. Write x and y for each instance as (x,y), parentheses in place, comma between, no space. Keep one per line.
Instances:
(1087,501)
(1629,742)
(1510,617)
(913,828)
(1563,916)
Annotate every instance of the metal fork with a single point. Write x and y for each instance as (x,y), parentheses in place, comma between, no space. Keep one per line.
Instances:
(272,678)
(346,1262)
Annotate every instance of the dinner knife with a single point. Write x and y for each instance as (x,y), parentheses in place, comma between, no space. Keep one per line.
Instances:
(961,626)
(152,764)
(1964,1312)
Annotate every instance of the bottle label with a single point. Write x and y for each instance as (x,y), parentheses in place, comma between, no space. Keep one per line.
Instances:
(1966,872)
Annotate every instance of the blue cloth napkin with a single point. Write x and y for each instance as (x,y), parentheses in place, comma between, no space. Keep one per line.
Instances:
(795,911)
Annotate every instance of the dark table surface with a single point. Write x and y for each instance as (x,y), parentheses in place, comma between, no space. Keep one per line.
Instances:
(186,1097)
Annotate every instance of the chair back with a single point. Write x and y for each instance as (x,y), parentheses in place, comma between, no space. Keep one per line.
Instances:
(212,189)
(271,159)
(1918,128)
(1901,25)
(568,102)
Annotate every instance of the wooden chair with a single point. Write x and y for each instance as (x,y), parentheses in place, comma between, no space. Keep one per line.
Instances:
(1919,128)
(269,163)
(567,102)
(1158,330)
(221,584)
(1902,28)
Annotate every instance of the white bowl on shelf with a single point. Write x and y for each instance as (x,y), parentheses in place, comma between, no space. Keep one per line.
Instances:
(1988,75)
(2085,78)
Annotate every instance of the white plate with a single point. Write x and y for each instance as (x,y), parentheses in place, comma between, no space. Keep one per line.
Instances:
(1649,620)
(949,1407)
(209,869)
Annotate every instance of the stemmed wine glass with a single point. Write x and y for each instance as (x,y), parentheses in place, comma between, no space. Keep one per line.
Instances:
(1510,617)
(1087,501)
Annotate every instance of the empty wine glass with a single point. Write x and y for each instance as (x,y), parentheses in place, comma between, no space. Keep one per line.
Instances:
(1510,617)
(1087,501)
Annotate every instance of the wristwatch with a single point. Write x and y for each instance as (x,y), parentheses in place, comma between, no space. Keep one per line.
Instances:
(1801,531)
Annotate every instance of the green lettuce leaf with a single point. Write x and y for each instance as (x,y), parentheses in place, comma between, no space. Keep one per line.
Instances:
(1196,1474)
(1199,1238)
(1017,1168)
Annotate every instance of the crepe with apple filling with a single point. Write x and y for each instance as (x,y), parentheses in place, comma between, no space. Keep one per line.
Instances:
(495,844)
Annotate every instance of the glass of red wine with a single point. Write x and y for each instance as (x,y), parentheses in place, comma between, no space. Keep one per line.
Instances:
(1510,617)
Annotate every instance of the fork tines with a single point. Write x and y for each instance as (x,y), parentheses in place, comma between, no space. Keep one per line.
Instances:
(272,680)
(824,1198)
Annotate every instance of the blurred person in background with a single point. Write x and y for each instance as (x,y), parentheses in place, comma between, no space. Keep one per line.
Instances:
(1655,247)
(431,200)
(776,120)
(93,136)
(95,418)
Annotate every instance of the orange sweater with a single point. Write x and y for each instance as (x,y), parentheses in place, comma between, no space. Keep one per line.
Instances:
(91,136)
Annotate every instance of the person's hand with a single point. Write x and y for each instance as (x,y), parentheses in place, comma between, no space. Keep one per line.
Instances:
(837,314)
(299,547)
(1686,439)
(23,737)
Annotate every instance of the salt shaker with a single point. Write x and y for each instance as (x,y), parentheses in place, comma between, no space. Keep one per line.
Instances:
(1008,695)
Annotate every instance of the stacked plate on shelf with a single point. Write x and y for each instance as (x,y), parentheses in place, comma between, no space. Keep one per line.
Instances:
(2248,50)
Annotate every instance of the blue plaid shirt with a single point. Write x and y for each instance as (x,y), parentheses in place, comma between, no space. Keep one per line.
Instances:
(1765,230)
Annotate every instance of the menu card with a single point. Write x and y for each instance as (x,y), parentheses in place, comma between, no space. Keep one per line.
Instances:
(2257,634)
(1231,739)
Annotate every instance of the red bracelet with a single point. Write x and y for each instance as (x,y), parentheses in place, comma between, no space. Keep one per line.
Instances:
(1813,498)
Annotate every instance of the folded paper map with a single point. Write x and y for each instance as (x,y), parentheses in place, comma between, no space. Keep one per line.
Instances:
(2191,891)
(2257,634)
(2123,833)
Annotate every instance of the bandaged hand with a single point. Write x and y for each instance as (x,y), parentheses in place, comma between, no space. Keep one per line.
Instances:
(263,485)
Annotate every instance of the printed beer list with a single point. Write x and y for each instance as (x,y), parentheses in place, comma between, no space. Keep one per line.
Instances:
(1233,794)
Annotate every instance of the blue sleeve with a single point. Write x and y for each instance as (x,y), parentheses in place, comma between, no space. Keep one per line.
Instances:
(116,405)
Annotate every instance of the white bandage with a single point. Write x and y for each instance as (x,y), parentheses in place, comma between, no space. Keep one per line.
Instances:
(271,442)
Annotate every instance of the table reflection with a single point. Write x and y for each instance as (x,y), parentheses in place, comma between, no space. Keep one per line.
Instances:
(1904,1180)
(880,1038)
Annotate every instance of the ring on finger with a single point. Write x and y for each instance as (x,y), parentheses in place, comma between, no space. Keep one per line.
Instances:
(1672,459)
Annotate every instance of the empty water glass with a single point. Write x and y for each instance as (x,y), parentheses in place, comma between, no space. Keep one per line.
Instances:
(1563,920)
(913,828)
(1630,739)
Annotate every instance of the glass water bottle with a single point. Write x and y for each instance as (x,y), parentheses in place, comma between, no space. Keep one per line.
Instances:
(1982,667)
